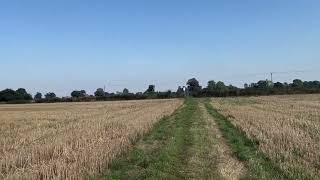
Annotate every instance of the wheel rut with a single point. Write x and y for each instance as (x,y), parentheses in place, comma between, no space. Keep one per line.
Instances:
(227,165)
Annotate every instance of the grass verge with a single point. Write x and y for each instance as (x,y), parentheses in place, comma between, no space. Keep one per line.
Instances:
(258,164)
(162,153)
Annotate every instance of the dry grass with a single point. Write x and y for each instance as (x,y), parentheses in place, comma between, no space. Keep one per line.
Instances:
(71,140)
(287,128)
(228,166)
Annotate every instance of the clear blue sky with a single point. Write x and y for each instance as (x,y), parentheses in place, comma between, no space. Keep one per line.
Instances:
(62,45)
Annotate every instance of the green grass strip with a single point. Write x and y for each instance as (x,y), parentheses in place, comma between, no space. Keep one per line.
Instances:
(258,164)
(162,153)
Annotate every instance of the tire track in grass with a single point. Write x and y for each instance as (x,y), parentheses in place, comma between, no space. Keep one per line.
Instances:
(160,154)
(202,156)
(182,146)
(227,166)
(258,164)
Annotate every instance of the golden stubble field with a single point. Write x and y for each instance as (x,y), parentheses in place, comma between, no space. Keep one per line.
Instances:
(72,140)
(287,128)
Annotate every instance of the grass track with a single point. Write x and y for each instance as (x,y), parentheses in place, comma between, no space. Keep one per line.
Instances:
(258,164)
(180,147)
(163,152)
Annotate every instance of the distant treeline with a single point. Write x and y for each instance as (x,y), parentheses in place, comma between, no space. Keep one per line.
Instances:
(18,96)
(192,88)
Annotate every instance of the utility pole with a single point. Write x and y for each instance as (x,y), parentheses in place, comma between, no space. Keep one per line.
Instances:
(271,77)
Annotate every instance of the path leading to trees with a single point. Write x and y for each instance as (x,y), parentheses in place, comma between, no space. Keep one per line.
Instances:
(228,166)
(186,145)
(162,153)
(195,142)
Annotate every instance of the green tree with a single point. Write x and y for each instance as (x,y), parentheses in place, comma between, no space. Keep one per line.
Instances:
(316,84)
(38,96)
(151,89)
(21,91)
(125,91)
(262,84)
(297,83)
(211,85)
(7,95)
(78,94)
(194,87)
(50,95)
(278,85)
(83,93)
(21,94)
(221,88)
(99,93)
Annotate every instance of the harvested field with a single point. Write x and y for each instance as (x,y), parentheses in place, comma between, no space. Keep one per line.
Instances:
(72,140)
(228,167)
(287,129)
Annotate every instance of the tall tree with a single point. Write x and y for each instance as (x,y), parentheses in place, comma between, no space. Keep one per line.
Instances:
(278,85)
(21,91)
(38,96)
(151,89)
(78,94)
(125,91)
(50,95)
(297,83)
(7,95)
(262,84)
(21,94)
(193,87)
(221,88)
(99,92)
(211,85)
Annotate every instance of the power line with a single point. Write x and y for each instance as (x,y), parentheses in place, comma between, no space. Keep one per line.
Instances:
(294,71)
(272,73)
